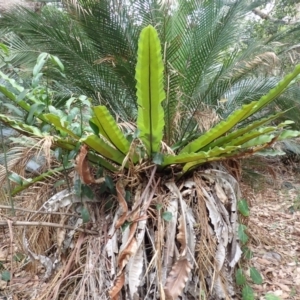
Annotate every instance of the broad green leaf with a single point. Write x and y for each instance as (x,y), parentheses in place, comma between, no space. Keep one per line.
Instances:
(218,130)
(248,254)
(87,191)
(287,134)
(56,61)
(85,215)
(243,207)
(251,135)
(272,297)
(5,275)
(239,132)
(150,90)
(16,178)
(109,129)
(35,109)
(101,147)
(40,63)
(240,277)
(275,92)
(260,140)
(110,183)
(269,152)
(13,83)
(247,293)
(167,216)
(243,237)
(60,125)
(255,276)
(199,156)
(94,127)
(101,162)
(158,158)
(17,99)
(21,127)
(14,109)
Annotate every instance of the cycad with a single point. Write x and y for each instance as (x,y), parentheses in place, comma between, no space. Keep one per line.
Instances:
(209,58)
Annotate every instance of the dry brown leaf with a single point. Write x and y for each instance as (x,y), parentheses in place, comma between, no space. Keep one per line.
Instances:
(115,290)
(181,236)
(122,202)
(177,279)
(82,166)
(126,253)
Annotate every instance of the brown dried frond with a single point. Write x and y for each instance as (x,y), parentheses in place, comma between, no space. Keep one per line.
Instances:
(17,158)
(108,58)
(166,148)
(177,116)
(267,59)
(206,117)
(177,279)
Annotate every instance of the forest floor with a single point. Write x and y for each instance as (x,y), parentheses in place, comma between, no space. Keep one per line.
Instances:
(274,228)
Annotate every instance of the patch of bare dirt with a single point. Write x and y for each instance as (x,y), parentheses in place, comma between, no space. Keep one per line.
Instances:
(274,228)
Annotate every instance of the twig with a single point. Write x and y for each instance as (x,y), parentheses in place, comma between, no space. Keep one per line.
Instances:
(47,224)
(36,211)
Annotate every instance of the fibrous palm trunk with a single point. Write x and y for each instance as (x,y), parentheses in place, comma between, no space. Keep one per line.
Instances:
(161,240)
(178,239)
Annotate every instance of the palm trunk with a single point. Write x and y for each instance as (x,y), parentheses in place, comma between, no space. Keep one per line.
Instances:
(170,240)
(187,245)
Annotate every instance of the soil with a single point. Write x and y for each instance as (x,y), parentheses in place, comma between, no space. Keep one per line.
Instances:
(274,228)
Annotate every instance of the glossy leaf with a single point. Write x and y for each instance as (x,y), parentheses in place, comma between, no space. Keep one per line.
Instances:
(21,127)
(218,130)
(255,276)
(150,92)
(240,277)
(243,207)
(243,237)
(101,147)
(247,293)
(109,129)
(260,140)
(5,276)
(272,297)
(239,132)
(85,215)
(40,64)
(288,134)
(204,156)
(251,135)
(60,125)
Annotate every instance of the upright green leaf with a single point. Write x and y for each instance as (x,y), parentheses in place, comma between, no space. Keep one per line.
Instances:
(150,92)
(109,129)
